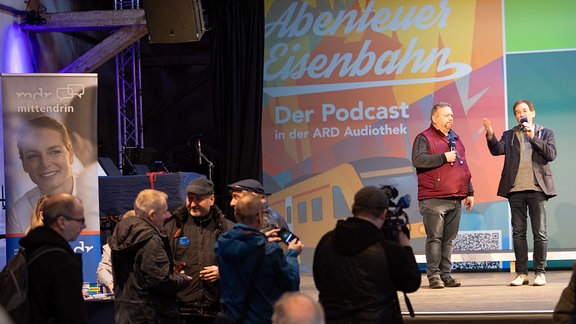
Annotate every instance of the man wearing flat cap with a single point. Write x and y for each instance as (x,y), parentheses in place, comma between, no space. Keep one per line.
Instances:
(192,232)
(357,271)
(272,220)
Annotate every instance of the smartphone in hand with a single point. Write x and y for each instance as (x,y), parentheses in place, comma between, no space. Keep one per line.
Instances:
(286,236)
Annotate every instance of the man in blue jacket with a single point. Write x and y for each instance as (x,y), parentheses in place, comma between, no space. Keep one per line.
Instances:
(237,252)
(527,184)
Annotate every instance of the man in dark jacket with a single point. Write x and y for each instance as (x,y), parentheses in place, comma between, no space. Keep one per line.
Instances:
(357,271)
(192,233)
(145,284)
(55,289)
(564,311)
(527,183)
(444,184)
(237,252)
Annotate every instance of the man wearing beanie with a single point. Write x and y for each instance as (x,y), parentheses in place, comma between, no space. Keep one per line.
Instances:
(357,271)
(192,232)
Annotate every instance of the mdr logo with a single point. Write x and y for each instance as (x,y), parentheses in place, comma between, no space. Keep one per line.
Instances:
(82,247)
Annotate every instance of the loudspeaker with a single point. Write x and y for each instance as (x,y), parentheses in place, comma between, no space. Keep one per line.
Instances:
(174,21)
(109,167)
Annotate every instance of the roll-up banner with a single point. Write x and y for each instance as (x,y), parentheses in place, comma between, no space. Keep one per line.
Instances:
(50,146)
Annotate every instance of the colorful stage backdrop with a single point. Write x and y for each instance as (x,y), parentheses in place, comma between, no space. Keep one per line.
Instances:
(67,100)
(349,84)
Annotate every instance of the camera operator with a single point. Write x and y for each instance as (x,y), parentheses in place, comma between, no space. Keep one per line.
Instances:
(357,271)
(396,219)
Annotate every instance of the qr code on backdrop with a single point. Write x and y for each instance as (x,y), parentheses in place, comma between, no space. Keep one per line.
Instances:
(473,241)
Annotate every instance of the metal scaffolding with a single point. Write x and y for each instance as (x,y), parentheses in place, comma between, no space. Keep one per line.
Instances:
(129,97)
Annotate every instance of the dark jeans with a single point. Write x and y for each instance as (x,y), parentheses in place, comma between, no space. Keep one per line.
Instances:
(441,220)
(522,204)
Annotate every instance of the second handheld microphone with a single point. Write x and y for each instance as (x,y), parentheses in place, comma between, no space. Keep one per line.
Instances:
(522,121)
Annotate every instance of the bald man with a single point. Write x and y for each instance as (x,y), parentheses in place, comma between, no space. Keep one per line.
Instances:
(297,308)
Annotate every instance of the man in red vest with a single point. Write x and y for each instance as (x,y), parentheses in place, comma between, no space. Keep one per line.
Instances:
(443,185)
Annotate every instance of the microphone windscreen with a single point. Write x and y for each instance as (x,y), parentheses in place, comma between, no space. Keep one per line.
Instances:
(404,201)
(523,120)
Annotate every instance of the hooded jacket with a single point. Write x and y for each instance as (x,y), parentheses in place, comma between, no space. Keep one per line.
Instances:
(543,152)
(192,241)
(55,287)
(236,251)
(145,284)
(357,273)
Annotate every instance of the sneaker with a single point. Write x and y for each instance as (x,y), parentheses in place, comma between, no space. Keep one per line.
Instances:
(521,279)
(540,280)
(451,282)
(436,283)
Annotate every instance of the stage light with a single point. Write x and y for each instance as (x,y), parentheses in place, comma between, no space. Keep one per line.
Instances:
(17,53)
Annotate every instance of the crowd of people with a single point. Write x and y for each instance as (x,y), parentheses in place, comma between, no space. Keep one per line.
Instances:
(195,265)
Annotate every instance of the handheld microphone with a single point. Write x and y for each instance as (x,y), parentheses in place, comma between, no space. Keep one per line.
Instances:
(452,146)
(522,121)
(199,147)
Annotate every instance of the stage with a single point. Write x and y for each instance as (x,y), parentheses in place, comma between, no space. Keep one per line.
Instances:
(482,298)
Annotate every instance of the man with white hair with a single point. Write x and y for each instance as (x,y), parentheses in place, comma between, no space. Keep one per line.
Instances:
(145,283)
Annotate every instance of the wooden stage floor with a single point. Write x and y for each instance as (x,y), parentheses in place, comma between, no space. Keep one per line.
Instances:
(483,297)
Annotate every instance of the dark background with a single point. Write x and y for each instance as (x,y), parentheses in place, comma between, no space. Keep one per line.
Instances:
(209,90)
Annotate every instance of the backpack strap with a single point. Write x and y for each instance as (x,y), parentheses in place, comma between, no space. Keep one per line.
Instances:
(395,294)
(40,252)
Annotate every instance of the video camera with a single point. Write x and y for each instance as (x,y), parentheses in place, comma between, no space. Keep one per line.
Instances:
(396,219)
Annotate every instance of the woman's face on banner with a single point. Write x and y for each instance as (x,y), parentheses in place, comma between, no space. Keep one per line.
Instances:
(47,161)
